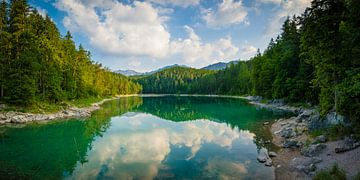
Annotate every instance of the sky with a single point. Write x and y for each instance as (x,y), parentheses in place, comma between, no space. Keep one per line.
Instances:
(144,35)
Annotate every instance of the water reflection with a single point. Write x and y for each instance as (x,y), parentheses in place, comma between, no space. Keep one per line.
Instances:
(139,146)
(142,138)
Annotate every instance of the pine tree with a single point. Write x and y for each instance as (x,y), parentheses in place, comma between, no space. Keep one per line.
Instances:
(3,46)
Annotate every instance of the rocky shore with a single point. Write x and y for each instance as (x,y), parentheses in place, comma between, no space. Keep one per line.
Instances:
(12,117)
(302,156)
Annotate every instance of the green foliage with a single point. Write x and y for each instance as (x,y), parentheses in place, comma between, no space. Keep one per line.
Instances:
(314,61)
(172,81)
(334,173)
(38,65)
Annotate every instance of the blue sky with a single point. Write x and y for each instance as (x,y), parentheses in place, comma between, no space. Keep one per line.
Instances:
(148,34)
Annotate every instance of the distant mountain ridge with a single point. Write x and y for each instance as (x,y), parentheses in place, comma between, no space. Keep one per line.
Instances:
(128,72)
(219,66)
(135,73)
(215,67)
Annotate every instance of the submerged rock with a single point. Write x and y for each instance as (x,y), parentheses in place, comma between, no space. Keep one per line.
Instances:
(264,157)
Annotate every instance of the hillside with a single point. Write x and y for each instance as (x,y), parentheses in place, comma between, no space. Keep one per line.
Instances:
(172,80)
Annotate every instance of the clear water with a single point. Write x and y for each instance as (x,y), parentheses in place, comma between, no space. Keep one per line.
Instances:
(167,137)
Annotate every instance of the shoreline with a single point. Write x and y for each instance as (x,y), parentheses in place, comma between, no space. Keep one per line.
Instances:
(13,117)
(289,162)
(302,156)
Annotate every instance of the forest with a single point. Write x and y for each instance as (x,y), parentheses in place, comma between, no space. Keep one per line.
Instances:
(315,60)
(38,64)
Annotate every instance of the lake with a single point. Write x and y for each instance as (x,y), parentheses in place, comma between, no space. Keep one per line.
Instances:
(165,137)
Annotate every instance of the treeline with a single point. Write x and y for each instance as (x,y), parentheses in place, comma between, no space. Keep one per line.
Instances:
(38,64)
(316,59)
(172,81)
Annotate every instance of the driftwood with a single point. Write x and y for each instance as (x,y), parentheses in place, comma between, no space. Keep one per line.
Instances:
(347,147)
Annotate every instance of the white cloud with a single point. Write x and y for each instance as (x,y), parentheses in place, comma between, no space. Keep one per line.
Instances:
(118,29)
(139,31)
(247,51)
(194,51)
(148,142)
(134,63)
(287,8)
(41,11)
(182,3)
(269,1)
(227,13)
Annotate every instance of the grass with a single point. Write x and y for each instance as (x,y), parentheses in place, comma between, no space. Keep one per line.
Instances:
(46,107)
(334,173)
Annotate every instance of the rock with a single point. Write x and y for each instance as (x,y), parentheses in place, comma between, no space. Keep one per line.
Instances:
(263,155)
(272,154)
(266,123)
(320,139)
(312,167)
(313,150)
(305,114)
(255,98)
(268,162)
(306,169)
(277,102)
(314,122)
(267,142)
(287,132)
(291,144)
(315,160)
(298,120)
(333,118)
(348,144)
(301,168)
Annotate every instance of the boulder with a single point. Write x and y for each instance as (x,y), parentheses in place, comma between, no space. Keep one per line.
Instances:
(272,154)
(268,162)
(320,139)
(313,150)
(287,132)
(315,160)
(291,144)
(306,169)
(333,119)
(263,155)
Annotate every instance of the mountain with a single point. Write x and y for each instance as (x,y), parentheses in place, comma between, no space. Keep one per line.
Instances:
(219,65)
(135,73)
(128,72)
(164,68)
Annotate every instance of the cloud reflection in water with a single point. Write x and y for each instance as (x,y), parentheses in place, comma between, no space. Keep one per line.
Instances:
(137,146)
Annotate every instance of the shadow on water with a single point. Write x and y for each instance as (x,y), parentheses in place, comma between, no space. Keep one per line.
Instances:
(53,150)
